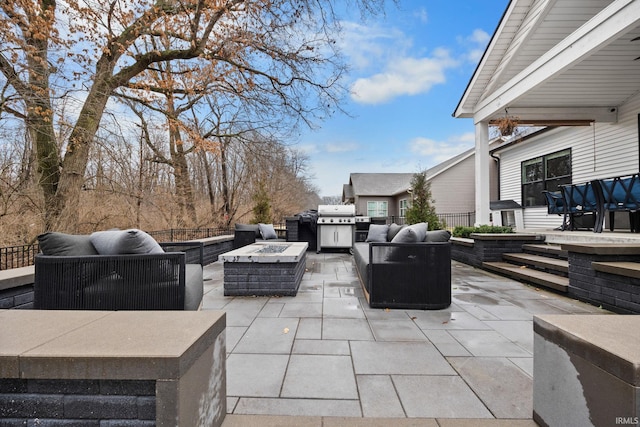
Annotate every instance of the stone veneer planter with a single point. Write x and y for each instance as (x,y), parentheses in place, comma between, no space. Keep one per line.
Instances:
(587,370)
(615,292)
(488,247)
(89,368)
(263,268)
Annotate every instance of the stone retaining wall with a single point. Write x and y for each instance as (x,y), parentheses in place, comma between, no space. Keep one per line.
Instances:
(487,247)
(81,403)
(587,370)
(215,246)
(80,368)
(613,292)
(252,278)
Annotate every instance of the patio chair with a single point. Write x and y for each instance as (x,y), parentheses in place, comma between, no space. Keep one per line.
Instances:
(579,200)
(621,194)
(555,205)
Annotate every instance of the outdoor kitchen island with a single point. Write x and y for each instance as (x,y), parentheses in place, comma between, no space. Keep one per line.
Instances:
(265,269)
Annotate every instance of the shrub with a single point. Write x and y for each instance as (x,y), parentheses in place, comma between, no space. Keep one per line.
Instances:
(465,232)
(422,207)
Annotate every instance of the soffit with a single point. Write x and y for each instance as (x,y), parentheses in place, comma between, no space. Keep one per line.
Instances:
(605,76)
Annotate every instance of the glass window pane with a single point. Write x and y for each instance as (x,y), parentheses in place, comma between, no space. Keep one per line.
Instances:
(559,164)
(532,170)
(532,194)
(376,209)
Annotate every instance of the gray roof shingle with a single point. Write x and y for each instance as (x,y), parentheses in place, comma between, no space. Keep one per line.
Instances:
(380,184)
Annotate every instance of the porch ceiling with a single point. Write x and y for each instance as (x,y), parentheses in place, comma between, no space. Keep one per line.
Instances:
(555,60)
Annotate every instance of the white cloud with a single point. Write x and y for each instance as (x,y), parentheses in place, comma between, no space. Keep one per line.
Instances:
(367,45)
(440,151)
(403,76)
(480,37)
(341,147)
(476,44)
(308,149)
(422,15)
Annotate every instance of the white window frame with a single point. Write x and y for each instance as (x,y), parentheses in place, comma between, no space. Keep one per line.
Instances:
(404,205)
(375,208)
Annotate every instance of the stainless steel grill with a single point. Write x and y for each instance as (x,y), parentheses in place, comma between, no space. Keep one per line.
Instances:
(336,226)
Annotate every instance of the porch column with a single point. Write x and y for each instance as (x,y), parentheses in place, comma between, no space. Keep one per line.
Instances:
(482,173)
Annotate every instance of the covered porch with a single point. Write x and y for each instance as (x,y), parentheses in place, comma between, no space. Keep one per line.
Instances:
(561,64)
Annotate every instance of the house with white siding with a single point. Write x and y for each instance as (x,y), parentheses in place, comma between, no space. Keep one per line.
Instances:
(573,67)
(387,194)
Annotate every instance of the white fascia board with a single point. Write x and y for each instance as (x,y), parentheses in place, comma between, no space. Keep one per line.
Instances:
(617,18)
(461,111)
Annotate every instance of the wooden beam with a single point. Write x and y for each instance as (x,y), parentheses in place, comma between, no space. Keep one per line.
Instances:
(525,122)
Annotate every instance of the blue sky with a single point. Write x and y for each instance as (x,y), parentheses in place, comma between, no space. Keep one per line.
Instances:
(408,72)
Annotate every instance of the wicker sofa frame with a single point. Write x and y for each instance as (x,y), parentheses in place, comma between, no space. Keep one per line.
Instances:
(405,275)
(161,281)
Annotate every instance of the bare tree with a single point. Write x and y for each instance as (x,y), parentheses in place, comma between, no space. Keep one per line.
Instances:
(281,50)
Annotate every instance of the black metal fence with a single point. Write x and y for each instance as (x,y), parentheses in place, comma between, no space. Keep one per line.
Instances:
(451,220)
(18,256)
(183,234)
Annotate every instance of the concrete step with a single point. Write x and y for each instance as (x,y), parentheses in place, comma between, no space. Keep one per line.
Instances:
(545,249)
(529,275)
(538,261)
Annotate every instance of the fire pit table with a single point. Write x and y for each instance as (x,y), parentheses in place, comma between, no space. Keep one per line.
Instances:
(267,269)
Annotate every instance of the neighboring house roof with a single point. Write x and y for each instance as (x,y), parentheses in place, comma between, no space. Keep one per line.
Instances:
(380,184)
(347,192)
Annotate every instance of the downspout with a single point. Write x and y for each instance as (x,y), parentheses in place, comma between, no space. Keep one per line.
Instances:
(497,159)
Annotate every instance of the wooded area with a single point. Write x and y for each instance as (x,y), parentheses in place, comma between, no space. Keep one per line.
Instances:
(158,114)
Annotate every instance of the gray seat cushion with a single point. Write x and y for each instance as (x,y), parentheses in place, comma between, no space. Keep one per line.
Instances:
(377,233)
(437,236)
(252,227)
(193,287)
(62,244)
(393,230)
(361,258)
(267,232)
(118,242)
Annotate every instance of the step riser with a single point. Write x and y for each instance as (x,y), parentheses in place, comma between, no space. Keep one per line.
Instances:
(536,277)
(550,265)
(550,251)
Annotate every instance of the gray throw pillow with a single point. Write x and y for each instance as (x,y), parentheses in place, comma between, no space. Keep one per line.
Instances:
(393,230)
(421,230)
(245,227)
(438,236)
(406,235)
(377,233)
(117,242)
(62,244)
(267,231)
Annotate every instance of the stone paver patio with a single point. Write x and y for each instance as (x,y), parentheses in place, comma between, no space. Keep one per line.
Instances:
(325,353)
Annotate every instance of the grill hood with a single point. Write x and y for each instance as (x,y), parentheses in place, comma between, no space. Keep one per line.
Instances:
(336,210)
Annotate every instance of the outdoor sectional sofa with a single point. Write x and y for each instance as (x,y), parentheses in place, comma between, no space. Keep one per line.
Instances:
(246,234)
(115,270)
(405,267)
